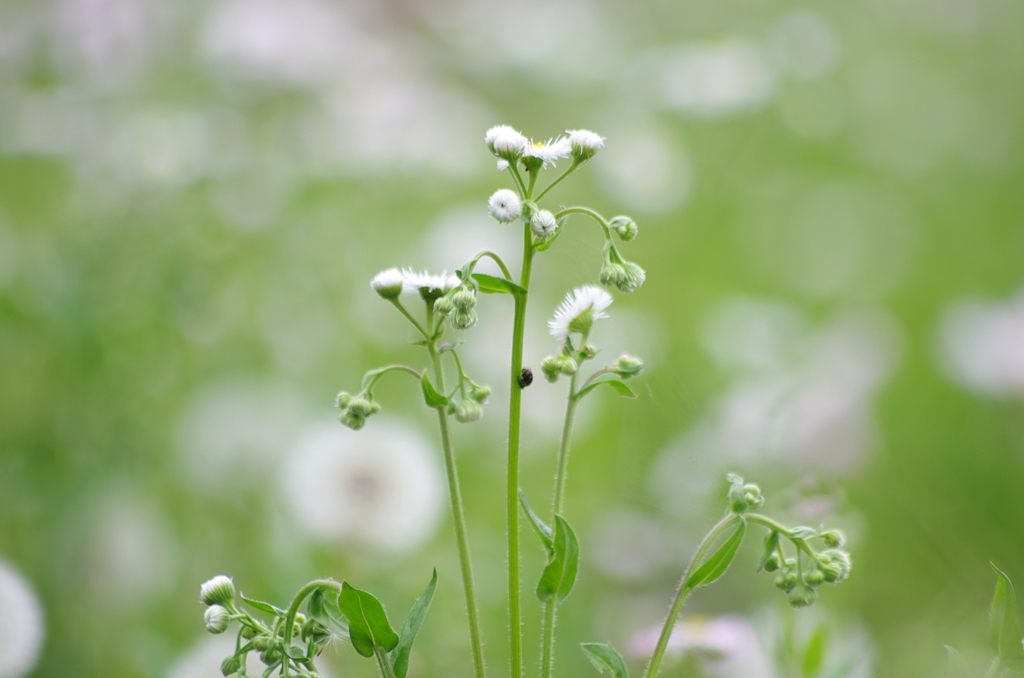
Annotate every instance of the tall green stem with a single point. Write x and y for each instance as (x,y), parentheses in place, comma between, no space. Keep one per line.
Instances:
(557,501)
(459,517)
(386,671)
(682,592)
(512,489)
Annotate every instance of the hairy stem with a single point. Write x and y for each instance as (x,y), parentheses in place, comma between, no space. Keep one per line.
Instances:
(459,518)
(386,671)
(682,592)
(293,609)
(512,489)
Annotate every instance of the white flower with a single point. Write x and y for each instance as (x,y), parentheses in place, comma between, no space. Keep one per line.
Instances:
(380,487)
(414,281)
(543,224)
(584,143)
(582,306)
(388,284)
(549,151)
(505,142)
(217,591)
(505,205)
(21,624)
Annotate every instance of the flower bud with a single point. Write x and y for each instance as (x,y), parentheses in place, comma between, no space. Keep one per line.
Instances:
(625,227)
(230,665)
(566,365)
(773,563)
(314,632)
(351,419)
(505,142)
(612,274)
(584,144)
(217,591)
(633,278)
(543,224)
(737,497)
(480,394)
(550,369)
(444,305)
(802,595)
(589,351)
(833,538)
(463,299)
(363,407)
(342,400)
(835,565)
(786,580)
(815,578)
(752,495)
(217,618)
(272,655)
(388,284)
(262,643)
(462,320)
(468,410)
(627,366)
(505,206)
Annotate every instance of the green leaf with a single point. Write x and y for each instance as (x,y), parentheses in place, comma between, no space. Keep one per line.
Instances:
(770,544)
(1003,630)
(400,657)
(604,656)
(296,652)
(322,605)
(716,565)
(802,532)
(550,241)
(619,387)
(539,526)
(492,285)
(430,394)
(368,625)
(559,574)
(814,653)
(957,666)
(264,607)
(315,604)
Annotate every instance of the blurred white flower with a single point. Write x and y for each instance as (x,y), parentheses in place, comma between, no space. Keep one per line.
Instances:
(414,281)
(549,151)
(380,487)
(729,645)
(21,624)
(582,306)
(504,205)
(982,344)
(203,659)
(584,143)
(716,79)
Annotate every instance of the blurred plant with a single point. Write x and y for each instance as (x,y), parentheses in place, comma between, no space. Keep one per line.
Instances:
(1003,634)
(450,301)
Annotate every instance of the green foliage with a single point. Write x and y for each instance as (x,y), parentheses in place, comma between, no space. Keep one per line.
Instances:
(367,622)
(719,561)
(559,574)
(400,655)
(604,657)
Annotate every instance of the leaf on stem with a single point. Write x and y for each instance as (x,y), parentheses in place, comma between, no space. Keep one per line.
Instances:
(492,285)
(322,605)
(957,666)
(264,607)
(617,385)
(814,653)
(770,544)
(539,526)
(603,656)
(368,625)
(716,565)
(802,532)
(559,574)
(430,394)
(1003,630)
(400,656)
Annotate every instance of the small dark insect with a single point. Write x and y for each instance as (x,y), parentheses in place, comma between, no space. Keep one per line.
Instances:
(526,378)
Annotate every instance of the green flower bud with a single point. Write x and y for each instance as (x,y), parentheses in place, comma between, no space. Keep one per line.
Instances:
(833,538)
(217,618)
(627,366)
(217,591)
(836,564)
(463,299)
(550,369)
(314,632)
(351,419)
(272,655)
(625,227)
(612,274)
(444,305)
(462,320)
(737,497)
(786,580)
(480,394)
(815,578)
(590,351)
(262,643)
(566,365)
(468,410)
(773,563)
(752,495)
(230,665)
(802,595)
(342,400)
(363,406)
(248,632)
(633,278)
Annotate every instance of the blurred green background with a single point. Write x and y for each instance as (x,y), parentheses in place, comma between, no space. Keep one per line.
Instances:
(194,196)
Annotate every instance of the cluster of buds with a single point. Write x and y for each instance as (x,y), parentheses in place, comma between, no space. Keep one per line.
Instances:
(469,409)
(218,594)
(626,366)
(743,496)
(567,362)
(458,306)
(624,227)
(355,408)
(617,272)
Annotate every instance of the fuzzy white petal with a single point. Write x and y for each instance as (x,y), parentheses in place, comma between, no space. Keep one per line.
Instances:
(415,281)
(505,205)
(550,150)
(579,301)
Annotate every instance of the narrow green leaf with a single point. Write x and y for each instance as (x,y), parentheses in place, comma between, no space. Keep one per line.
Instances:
(770,544)
(559,574)
(400,656)
(430,394)
(333,619)
(617,385)
(539,526)
(603,656)
(802,532)
(264,607)
(368,625)
(492,285)
(1004,631)
(957,666)
(814,653)
(718,562)
(295,652)
(315,604)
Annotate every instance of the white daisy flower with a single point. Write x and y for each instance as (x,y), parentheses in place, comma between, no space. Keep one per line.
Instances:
(505,205)
(505,142)
(543,224)
(21,624)
(584,143)
(549,151)
(414,281)
(582,306)
(388,284)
